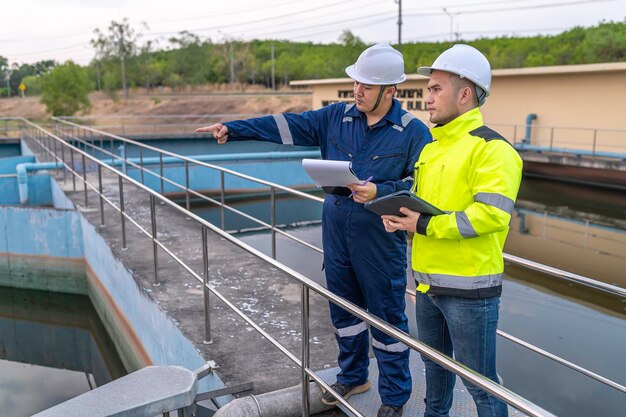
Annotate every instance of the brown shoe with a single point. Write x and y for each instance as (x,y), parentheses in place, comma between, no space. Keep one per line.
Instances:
(345,391)
(389,411)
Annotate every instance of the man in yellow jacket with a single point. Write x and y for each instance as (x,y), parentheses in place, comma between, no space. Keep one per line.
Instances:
(473,174)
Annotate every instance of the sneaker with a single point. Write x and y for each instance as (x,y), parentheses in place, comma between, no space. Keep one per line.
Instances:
(345,391)
(389,411)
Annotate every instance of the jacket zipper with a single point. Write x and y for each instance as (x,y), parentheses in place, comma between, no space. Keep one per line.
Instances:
(416,176)
(341,148)
(376,157)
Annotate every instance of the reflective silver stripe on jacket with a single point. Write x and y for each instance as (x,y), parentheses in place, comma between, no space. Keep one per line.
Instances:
(394,347)
(346,110)
(283,129)
(496,200)
(463,223)
(352,330)
(461,282)
(405,120)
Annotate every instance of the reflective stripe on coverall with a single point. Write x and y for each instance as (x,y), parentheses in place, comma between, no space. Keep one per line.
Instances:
(363,263)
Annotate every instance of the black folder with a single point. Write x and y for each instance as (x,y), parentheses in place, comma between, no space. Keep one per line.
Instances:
(391,203)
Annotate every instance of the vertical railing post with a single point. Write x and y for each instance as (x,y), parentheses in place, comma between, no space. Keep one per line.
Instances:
(551,137)
(63,161)
(121,186)
(161,170)
(112,153)
(155,253)
(187,184)
(141,162)
(205,286)
(595,132)
(273,219)
(305,351)
(56,156)
(73,169)
(85,180)
(100,194)
(222,200)
(122,149)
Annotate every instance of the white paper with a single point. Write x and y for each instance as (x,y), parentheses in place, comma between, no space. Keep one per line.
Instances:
(330,173)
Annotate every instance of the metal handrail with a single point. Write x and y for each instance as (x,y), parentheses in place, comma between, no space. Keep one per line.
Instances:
(590,143)
(471,376)
(510,258)
(187,160)
(543,268)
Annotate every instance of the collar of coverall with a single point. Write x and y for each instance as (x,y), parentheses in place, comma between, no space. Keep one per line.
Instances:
(394,115)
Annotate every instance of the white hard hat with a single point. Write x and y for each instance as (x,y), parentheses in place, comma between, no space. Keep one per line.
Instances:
(378,65)
(467,62)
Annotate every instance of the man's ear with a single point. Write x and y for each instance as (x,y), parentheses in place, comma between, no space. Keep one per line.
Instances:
(390,91)
(466,95)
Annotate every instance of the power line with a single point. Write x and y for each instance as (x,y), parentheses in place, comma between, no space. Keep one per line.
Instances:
(251,28)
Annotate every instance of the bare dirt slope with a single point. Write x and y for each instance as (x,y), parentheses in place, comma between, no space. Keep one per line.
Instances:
(141,103)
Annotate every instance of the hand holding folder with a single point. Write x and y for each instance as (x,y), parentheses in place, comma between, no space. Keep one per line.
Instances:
(332,176)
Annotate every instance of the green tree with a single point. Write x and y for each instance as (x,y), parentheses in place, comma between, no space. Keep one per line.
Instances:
(33,85)
(119,43)
(65,90)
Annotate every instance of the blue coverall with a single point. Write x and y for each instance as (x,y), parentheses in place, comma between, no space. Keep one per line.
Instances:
(363,263)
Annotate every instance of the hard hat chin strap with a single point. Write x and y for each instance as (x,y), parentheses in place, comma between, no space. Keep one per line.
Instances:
(380,96)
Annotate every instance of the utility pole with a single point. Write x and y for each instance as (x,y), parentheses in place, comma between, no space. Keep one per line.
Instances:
(8,78)
(123,61)
(273,70)
(451,16)
(232,64)
(399,24)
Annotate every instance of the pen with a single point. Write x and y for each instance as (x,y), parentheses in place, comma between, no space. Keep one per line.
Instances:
(363,183)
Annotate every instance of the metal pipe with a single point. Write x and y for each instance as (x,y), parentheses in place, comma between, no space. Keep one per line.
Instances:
(73,169)
(566,275)
(161,170)
(205,287)
(155,254)
(273,219)
(529,126)
(595,132)
(100,195)
(187,185)
(222,200)
(304,382)
(141,164)
(22,175)
(564,362)
(123,218)
(85,181)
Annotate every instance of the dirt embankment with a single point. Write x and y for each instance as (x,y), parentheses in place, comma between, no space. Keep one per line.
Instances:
(217,101)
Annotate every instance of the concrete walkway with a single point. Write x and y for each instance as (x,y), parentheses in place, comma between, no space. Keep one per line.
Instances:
(266,294)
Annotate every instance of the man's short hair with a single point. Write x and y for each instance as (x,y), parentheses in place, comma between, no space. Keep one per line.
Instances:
(459,83)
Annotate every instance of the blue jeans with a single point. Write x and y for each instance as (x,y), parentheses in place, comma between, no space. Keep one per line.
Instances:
(466,327)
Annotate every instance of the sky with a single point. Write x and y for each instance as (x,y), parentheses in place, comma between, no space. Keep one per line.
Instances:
(35,30)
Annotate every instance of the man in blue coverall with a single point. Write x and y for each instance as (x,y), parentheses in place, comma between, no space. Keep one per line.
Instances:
(360,258)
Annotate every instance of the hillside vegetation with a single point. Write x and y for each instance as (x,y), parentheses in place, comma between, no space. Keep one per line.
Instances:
(190,62)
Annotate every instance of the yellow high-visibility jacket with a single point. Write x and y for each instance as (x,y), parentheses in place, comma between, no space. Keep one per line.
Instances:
(474,174)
